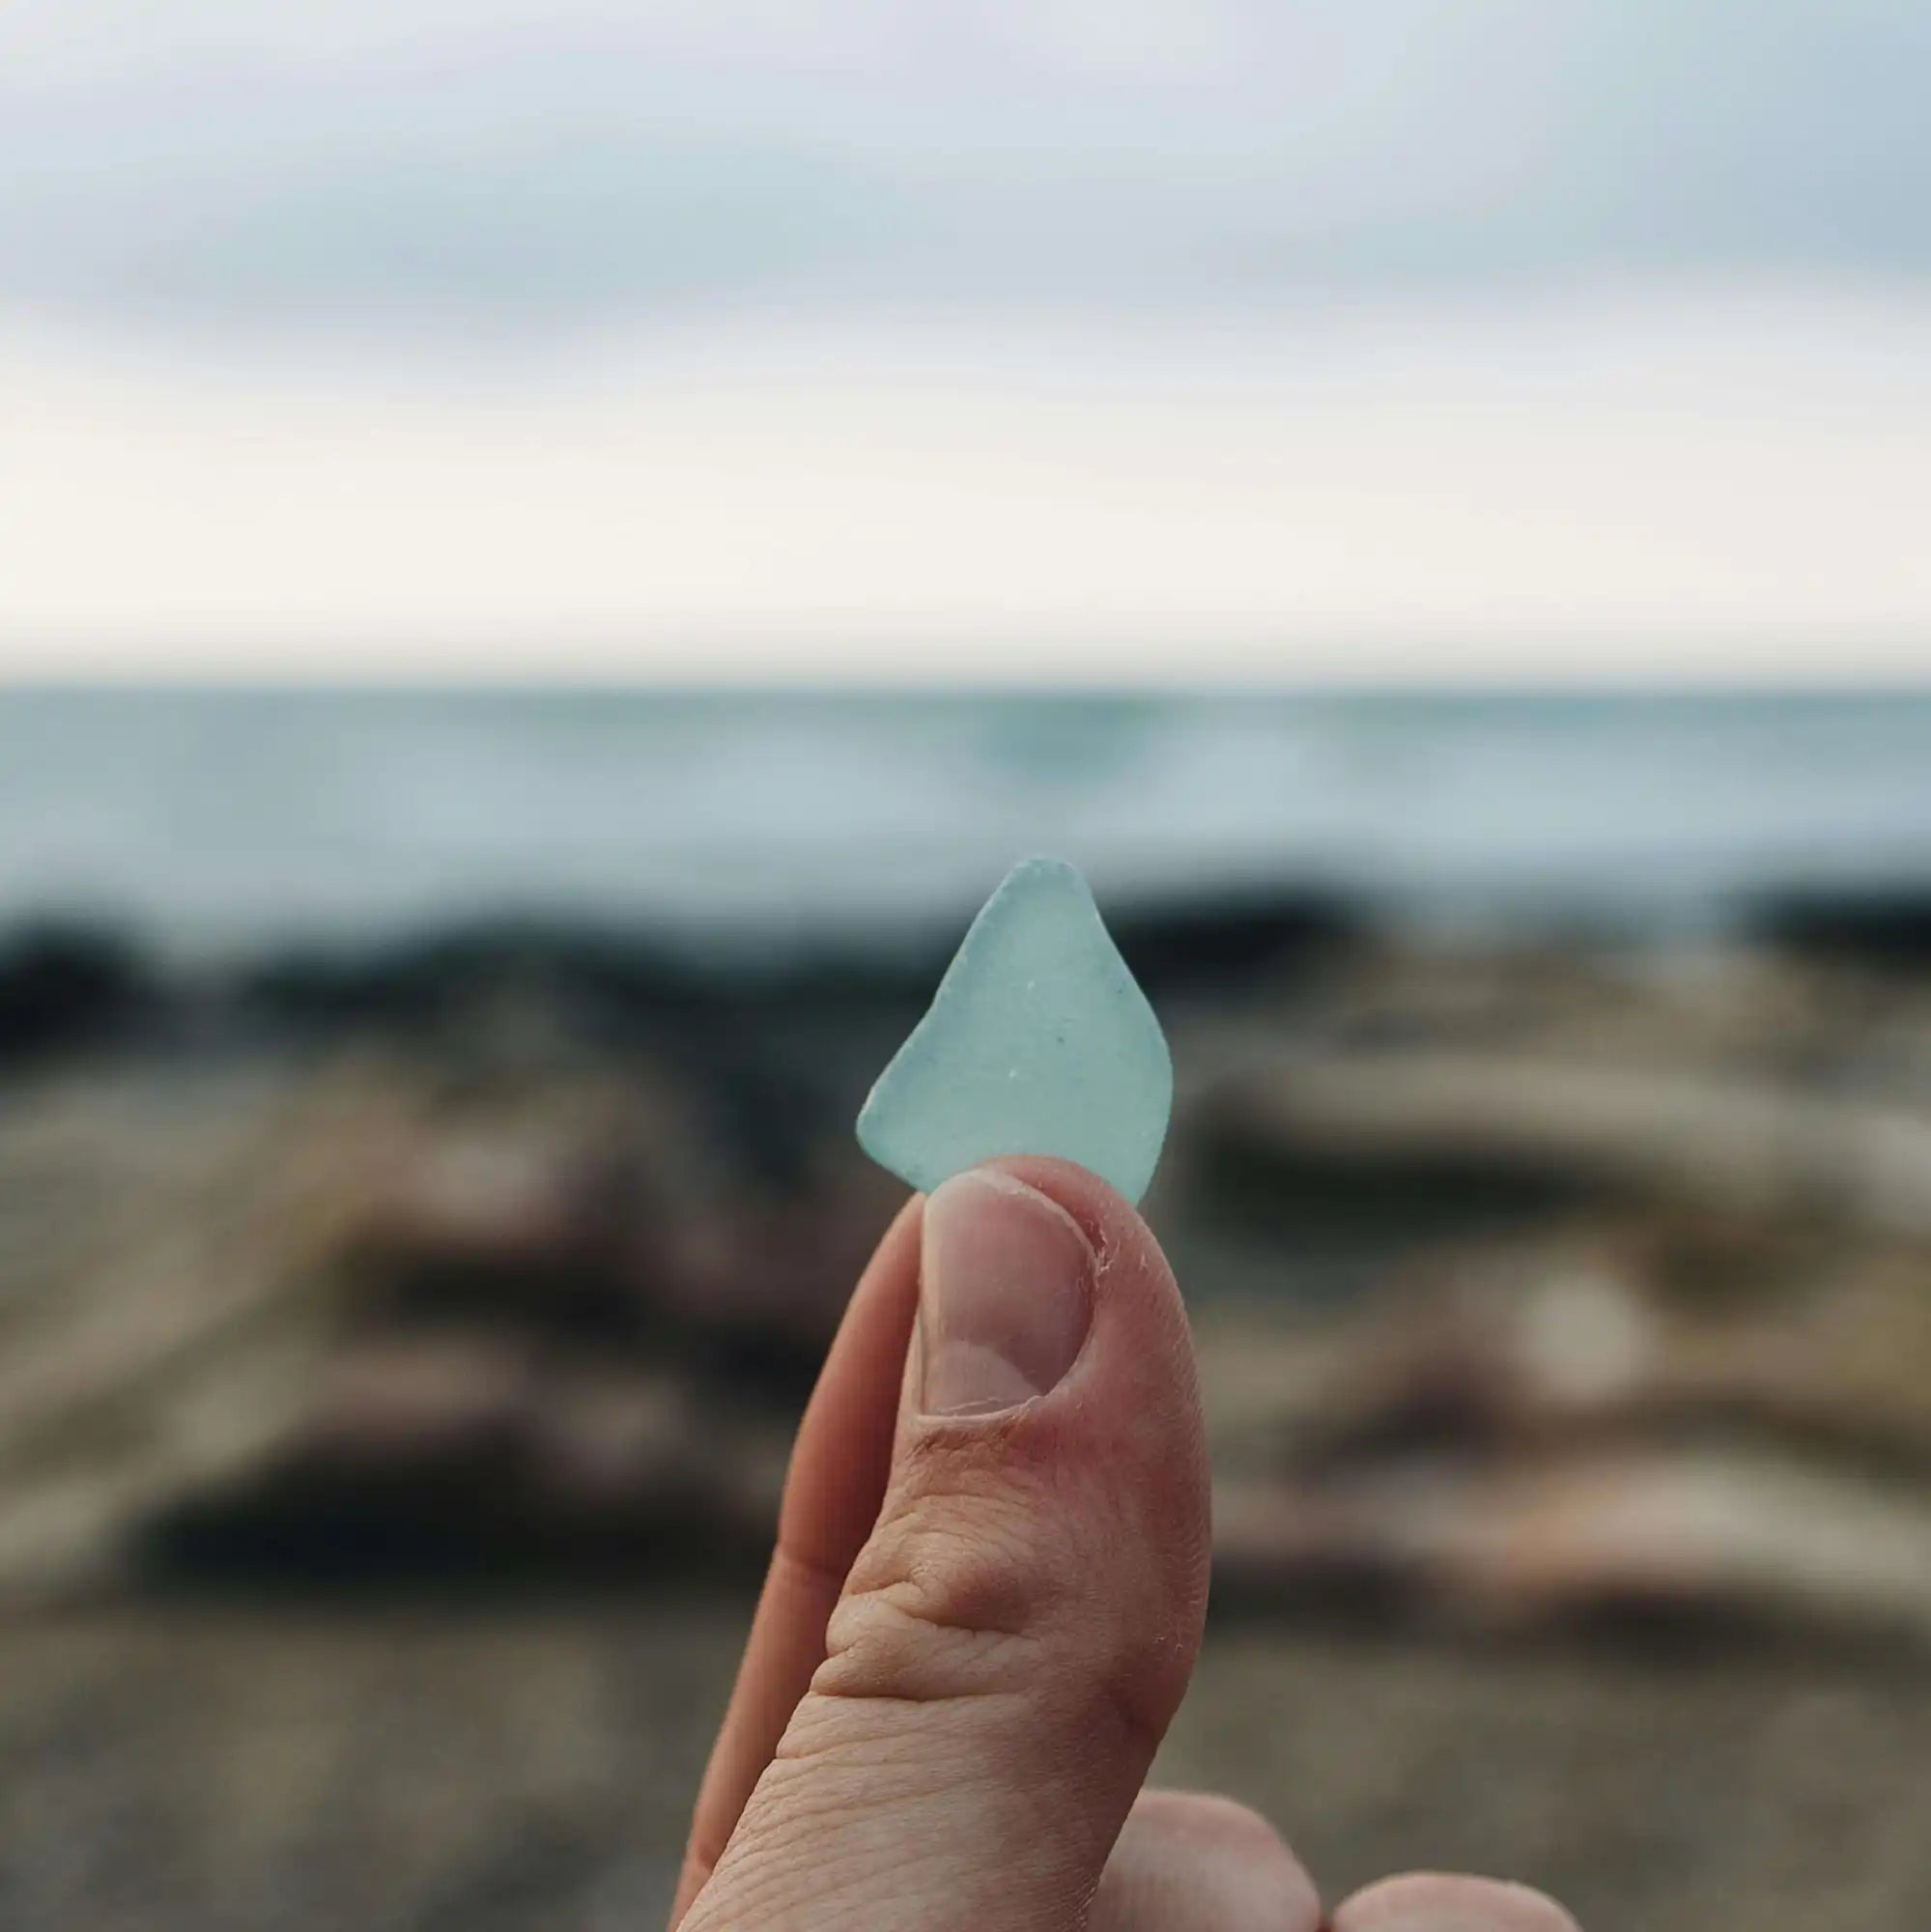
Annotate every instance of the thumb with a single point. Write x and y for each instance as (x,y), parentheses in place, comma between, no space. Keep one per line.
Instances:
(1017,1633)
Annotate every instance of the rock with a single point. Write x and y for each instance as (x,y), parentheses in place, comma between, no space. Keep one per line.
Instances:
(1236,940)
(68,986)
(1888,932)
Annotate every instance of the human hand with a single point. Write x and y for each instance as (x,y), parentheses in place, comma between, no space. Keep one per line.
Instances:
(985,1607)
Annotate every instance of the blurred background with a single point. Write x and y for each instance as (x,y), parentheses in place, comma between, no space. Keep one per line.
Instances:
(550,556)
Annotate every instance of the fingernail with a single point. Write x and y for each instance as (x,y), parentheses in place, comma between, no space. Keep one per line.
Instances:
(1004,1295)
(1437,1902)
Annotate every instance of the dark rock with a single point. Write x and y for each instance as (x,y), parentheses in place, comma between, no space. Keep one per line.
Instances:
(65,986)
(1237,936)
(1885,931)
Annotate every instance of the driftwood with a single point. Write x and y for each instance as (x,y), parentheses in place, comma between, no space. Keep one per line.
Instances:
(336,1315)
(1756,1537)
(1748,1144)
(1678,1413)
(537,1304)
(168,1297)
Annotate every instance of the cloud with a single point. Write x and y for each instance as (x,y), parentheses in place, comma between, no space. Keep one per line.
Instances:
(1599,490)
(497,160)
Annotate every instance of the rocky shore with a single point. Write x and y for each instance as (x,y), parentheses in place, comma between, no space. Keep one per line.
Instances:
(1551,1300)
(1529,1282)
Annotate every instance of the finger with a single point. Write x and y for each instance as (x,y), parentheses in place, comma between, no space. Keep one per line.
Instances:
(831,1494)
(1437,1902)
(1015,1634)
(1188,1863)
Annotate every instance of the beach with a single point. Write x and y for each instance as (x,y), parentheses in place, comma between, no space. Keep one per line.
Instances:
(404,1325)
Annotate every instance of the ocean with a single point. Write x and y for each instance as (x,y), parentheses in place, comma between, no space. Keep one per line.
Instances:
(211,821)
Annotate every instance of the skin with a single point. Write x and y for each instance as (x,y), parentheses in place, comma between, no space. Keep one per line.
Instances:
(972,1635)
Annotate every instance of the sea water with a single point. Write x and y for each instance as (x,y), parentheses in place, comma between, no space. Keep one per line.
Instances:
(221,818)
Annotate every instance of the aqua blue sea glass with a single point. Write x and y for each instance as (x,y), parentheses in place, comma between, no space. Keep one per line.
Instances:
(1038,1041)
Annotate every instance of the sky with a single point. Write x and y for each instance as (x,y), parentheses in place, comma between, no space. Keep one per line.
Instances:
(1065,337)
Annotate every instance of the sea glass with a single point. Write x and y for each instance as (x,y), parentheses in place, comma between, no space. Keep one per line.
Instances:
(1038,1041)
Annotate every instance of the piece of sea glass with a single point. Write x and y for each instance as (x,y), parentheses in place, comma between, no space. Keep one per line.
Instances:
(1038,1041)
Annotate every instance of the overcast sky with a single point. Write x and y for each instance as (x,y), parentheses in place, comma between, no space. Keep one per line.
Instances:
(1041,319)
(518,158)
